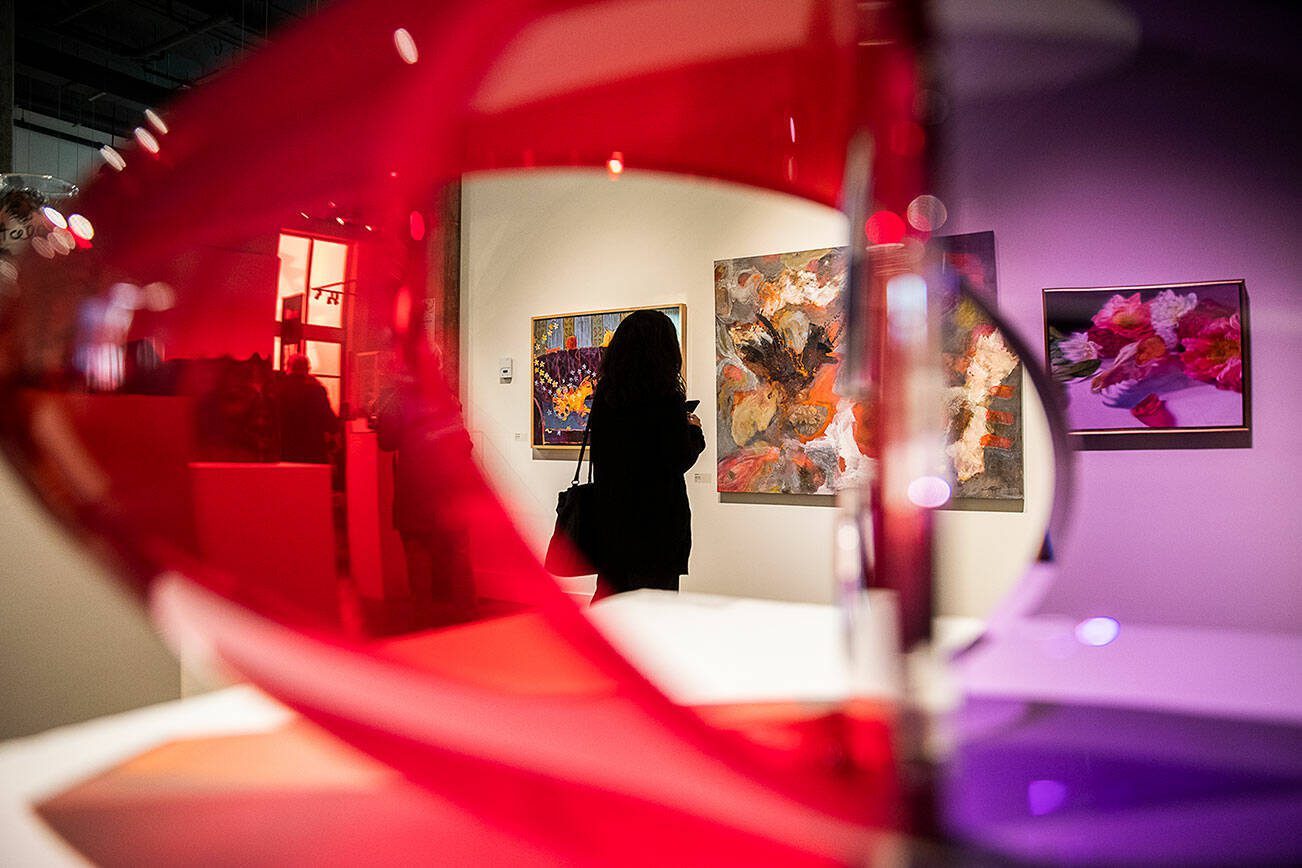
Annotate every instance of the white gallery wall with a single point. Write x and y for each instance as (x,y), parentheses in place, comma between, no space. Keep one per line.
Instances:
(45,153)
(555,242)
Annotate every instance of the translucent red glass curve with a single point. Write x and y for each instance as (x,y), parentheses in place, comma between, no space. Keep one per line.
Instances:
(334,121)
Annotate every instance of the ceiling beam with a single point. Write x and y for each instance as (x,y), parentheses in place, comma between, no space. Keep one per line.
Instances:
(89,115)
(93,75)
(80,11)
(155,50)
(60,134)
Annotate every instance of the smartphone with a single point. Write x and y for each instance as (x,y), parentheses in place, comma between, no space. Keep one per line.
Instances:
(690,406)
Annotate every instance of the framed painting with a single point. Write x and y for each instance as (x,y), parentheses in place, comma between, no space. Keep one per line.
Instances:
(983,397)
(1152,367)
(782,428)
(970,257)
(565,358)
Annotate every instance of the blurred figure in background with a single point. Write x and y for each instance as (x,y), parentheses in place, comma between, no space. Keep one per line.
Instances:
(307,422)
(236,409)
(428,512)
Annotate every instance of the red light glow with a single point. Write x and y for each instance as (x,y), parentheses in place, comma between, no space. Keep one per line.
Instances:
(884,227)
(615,165)
(907,138)
(416,223)
(402,310)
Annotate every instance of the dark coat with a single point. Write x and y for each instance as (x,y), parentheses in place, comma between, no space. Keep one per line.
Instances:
(431,486)
(306,420)
(639,456)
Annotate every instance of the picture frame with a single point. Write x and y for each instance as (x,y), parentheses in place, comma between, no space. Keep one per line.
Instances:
(984,441)
(1153,366)
(565,351)
(782,430)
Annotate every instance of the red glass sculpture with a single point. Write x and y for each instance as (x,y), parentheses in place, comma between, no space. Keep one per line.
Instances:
(140,383)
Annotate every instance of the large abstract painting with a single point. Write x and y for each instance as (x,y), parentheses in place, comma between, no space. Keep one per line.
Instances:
(983,401)
(782,426)
(1151,367)
(566,352)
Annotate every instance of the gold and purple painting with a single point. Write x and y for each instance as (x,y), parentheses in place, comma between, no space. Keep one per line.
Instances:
(566,352)
(782,428)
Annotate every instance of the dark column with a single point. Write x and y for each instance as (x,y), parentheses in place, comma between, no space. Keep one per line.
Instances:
(445,267)
(6,85)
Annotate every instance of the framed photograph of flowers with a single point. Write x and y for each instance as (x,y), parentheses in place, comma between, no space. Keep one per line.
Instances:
(1152,367)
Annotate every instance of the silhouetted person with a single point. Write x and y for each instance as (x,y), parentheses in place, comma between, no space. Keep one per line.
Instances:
(306,419)
(643,441)
(430,500)
(144,372)
(235,408)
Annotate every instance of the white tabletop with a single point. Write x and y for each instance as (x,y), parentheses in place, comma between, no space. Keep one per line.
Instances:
(39,766)
(703,649)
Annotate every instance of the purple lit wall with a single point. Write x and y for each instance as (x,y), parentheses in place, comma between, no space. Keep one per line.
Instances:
(1179,165)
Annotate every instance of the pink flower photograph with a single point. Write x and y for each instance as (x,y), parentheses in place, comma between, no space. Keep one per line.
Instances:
(1166,366)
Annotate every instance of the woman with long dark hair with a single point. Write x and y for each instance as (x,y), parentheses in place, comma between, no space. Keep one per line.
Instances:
(643,441)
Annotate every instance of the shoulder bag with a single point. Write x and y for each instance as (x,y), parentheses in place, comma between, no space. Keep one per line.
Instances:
(573,547)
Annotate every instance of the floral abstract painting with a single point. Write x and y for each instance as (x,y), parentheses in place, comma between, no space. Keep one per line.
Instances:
(566,351)
(1152,361)
(782,428)
(983,398)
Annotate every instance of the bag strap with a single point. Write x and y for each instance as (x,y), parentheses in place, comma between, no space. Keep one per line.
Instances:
(578,468)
